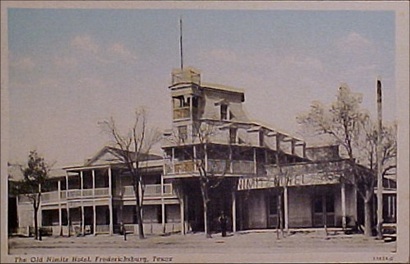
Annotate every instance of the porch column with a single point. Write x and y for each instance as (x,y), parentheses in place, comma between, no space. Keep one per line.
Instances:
(93,179)
(162,205)
(82,219)
(94,219)
(67,204)
(194,153)
(304,149)
(82,207)
(173,160)
(110,201)
(292,142)
(230,159)
(255,167)
(286,208)
(206,157)
(60,222)
(343,200)
(181,209)
(233,212)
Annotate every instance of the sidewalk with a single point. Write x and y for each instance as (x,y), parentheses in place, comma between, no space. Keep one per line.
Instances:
(255,241)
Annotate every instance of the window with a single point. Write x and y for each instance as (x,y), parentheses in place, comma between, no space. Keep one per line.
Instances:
(180,102)
(261,138)
(182,133)
(224,112)
(232,135)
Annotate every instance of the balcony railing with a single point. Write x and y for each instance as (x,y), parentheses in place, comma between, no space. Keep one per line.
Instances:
(182,112)
(151,190)
(214,165)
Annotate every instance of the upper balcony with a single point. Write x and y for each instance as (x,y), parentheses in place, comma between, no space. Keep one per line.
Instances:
(151,191)
(216,166)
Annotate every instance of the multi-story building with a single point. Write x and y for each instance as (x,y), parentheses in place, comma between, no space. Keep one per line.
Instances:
(255,174)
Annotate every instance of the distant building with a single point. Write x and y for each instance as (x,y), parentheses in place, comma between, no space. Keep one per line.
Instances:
(253,166)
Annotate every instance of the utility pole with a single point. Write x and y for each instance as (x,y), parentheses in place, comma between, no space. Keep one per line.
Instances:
(379,162)
(180,43)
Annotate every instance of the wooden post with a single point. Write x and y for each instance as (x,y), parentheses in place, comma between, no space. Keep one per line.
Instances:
(162,205)
(94,219)
(182,215)
(110,202)
(286,209)
(343,198)
(233,212)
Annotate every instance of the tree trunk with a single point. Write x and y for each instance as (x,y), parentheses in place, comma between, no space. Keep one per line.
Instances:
(35,223)
(139,211)
(368,215)
(206,222)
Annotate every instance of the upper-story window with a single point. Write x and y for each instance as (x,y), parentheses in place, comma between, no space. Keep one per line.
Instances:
(261,138)
(182,133)
(233,131)
(180,102)
(224,112)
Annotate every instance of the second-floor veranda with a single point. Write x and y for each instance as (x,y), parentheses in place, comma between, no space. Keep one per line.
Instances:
(222,160)
(103,182)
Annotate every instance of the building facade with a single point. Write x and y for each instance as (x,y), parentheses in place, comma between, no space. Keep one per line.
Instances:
(256,175)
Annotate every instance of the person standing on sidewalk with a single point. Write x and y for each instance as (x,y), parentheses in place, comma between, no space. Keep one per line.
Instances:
(123,231)
(223,221)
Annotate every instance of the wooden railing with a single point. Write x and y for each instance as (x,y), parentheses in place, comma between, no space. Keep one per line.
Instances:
(182,112)
(150,190)
(214,165)
(71,194)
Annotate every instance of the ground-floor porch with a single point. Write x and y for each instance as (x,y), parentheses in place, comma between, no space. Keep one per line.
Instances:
(106,218)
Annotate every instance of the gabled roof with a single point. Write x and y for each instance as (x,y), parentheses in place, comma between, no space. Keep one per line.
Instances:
(111,155)
(15,172)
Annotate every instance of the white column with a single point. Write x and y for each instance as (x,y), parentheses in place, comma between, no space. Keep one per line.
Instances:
(286,208)
(233,212)
(343,200)
(255,167)
(162,205)
(181,208)
(230,159)
(60,222)
(206,157)
(110,201)
(173,160)
(82,207)
(67,205)
(94,219)
(194,153)
(93,179)
(82,219)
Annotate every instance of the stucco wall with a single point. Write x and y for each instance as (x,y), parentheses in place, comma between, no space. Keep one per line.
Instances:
(300,208)
(257,215)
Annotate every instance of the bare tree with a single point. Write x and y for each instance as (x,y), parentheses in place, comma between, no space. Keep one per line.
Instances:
(350,126)
(35,176)
(210,175)
(135,146)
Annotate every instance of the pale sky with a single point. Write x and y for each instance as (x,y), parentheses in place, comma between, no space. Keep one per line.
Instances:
(70,68)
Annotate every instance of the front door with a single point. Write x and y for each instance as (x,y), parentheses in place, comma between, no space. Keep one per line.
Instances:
(323,211)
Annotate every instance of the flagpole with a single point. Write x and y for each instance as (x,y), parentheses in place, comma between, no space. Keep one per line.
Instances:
(379,161)
(180,43)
